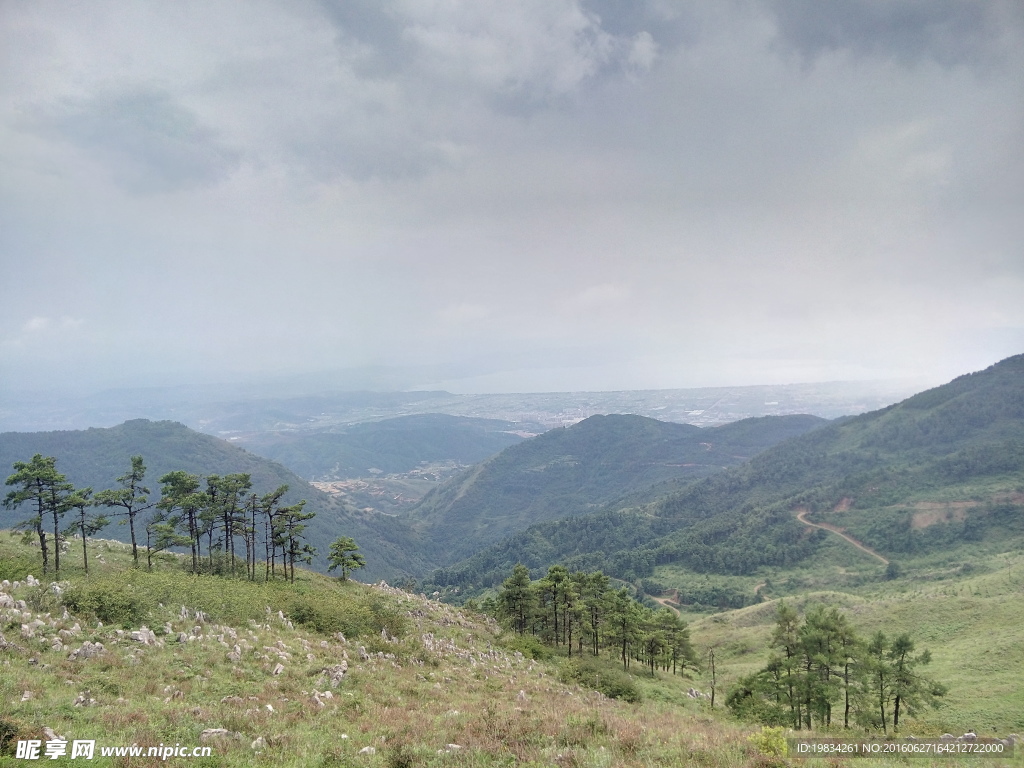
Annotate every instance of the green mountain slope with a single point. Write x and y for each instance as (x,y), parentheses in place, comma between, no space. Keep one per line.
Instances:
(96,457)
(576,470)
(936,471)
(389,446)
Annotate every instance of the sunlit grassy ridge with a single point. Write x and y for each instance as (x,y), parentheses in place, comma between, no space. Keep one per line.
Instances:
(426,684)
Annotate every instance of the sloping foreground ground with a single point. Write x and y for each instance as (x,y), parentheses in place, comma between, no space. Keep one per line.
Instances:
(319,673)
(388,679)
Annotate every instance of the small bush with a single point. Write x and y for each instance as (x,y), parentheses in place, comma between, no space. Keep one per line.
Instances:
(652,587)
(769,741)
(385,615)
(609,680)
(528,645)
(16,566)
(10,734)
(112,602)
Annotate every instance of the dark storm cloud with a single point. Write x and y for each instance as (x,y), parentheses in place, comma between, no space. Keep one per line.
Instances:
(147,141)
(949,32)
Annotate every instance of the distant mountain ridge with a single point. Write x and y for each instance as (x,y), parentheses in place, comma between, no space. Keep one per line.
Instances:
(574,470)
(867,473)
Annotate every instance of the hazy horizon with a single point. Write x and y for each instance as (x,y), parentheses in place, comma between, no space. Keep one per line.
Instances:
(581,195)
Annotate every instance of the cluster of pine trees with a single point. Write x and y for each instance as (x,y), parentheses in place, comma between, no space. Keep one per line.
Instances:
(581,609)
(821,667)
(221,512)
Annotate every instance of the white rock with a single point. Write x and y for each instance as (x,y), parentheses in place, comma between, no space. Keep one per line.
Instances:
(215,734)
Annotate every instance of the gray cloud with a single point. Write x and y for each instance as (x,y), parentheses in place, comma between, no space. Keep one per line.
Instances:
(949,32)
(148,141)
(541,194)
(382,48)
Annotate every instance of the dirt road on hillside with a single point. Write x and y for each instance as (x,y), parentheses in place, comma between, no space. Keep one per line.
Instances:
(801,513)
(664,601)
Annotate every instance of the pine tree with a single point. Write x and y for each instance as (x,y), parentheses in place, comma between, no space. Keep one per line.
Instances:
(132,496)
(786,642)
(909,688)
(46,489)
(181,491)
(624,621)
(517,599)
(291,525)
(344,554)
(85,525)
(881,682)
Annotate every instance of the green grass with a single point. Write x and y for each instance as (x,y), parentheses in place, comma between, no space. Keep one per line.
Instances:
(971,623)
(442,676)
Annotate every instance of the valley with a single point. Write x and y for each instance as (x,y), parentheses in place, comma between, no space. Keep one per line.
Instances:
(391,494)
(909,519)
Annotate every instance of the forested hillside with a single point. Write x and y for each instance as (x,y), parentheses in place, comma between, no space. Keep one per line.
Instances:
(388,446)
(96,457)
(575,470)
(875,474)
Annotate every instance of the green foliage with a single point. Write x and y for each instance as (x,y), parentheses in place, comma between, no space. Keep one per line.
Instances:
(130,598)
(581,613)
(10,733)
(45,491)
(16,566)
(966,435)
(652,587)
(344,554)
(770,741)
(821,673)
(596,675)
(528,645)
(97,457)
(577,470)
(324,614)
(112,600)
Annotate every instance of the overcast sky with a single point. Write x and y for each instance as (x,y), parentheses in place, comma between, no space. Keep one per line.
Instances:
(537,195)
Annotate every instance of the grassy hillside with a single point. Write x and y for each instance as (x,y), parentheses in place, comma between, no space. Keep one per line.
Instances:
(939,471)
(321,673)
(575,470)
(970,621)
(389,446)
(324,673)
(96,457)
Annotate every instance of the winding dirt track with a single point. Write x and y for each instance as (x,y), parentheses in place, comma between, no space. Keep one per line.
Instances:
(801,516)
(664,601)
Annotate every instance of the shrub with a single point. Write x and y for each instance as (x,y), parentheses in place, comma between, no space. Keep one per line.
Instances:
(113,602)
(651,587)
(16,566)
(608,679)
(10,734)
(769,741)
(528,645)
